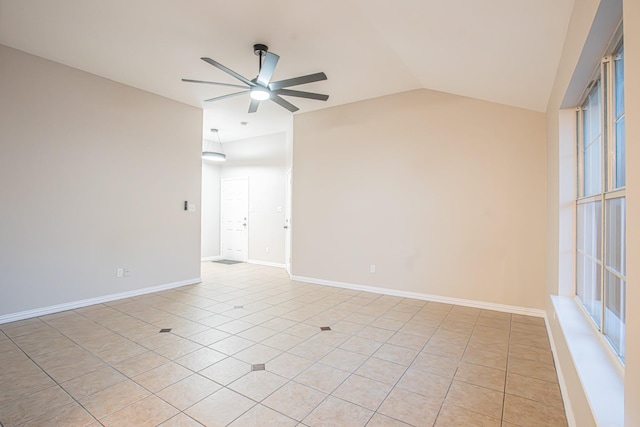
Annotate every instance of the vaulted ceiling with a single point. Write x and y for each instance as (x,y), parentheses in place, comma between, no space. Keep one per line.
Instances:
(504,51)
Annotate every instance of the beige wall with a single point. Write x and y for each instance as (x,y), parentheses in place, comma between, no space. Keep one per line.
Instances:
(210,209)
(93,176)
(444,194)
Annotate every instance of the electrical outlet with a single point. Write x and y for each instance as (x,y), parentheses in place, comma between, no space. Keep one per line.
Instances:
(120,272)
(126,272)
(267,249)
(372,268)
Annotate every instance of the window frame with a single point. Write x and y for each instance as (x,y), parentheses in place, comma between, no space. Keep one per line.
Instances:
(605,75)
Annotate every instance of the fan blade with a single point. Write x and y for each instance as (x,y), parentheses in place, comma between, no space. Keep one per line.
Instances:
(298,81)
(253,107)
(212,83)
(268,67)
(218,98)
(283,103)
(300,94)
(228,71)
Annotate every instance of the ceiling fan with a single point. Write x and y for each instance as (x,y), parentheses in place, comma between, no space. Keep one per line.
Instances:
(262,88)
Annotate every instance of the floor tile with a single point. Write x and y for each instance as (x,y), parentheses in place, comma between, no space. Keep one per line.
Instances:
(376,342)
(311,351)
(532,368)
(163,376)
(93,382)
(231,345)
(295,400)
(148,412)
(331,338)
(34,405)
(381,370)
(435,364)
(257,353)
(474,398)
(200,359)
(481,376)
(139,364)
(451,415)
(410,408)
(181,348)
(337,412)
(534,389)
(156,340)
(226,371)
(344,359)
(69,415)
(396,354)
(24,385)
(530,353)
(220,408)
(257,385)
(485,358)
(188,391)
(363,391)
(424,383)
(379,420)
(235,326)
(444,349)
(257,334)
(288,365)
(209,337)
(322,377)
(181,420)
(261,416)
(114,398)
(361,345)
(278,324)
(529,413)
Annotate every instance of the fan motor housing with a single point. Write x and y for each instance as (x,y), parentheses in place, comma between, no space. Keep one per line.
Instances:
(260,48)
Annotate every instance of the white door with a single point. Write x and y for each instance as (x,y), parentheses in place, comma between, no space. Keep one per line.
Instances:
(287,224)
(234,213)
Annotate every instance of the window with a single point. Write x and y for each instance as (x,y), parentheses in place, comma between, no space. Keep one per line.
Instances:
(601,207)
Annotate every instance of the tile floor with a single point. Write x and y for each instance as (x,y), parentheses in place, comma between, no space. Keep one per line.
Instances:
(387,361)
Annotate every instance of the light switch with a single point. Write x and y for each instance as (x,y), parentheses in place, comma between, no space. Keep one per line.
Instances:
(279,209)
(192,207)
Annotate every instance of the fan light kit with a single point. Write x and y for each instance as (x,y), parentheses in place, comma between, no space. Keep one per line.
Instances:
(259,94)
(262,88)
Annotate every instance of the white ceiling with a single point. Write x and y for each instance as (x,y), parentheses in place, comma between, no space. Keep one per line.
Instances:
(505,51)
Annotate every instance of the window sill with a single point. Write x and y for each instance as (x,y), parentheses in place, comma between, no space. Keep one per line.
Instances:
(601,374)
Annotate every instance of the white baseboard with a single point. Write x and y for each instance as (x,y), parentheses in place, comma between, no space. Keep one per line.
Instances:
(267,263)
(12,317)
(211,258)
(418,295)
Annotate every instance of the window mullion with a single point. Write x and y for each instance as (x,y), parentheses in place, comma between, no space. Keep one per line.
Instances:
(579,147)
(604,134)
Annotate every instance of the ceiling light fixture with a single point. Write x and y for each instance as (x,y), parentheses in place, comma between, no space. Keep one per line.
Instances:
(259,94)
(214,155)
